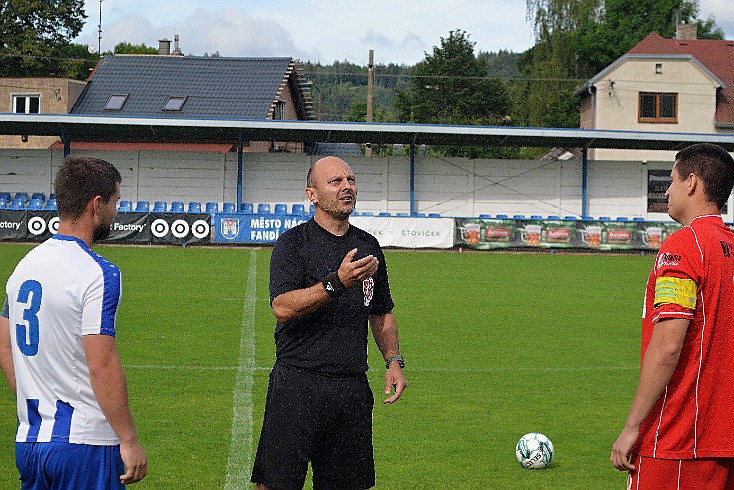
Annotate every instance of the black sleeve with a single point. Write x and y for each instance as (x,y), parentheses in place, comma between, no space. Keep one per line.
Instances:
(287,269)
(382,302)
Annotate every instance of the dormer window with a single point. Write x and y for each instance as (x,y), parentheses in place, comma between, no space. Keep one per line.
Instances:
(174,103)
(115,102)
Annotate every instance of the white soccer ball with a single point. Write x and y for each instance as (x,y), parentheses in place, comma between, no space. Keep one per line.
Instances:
(534,451)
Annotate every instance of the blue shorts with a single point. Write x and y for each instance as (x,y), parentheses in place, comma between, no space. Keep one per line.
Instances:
(61,465)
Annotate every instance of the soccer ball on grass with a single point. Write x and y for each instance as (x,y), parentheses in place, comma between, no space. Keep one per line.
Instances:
(534,451)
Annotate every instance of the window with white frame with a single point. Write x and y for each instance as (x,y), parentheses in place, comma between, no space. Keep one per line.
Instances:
(27,104)
(279,111)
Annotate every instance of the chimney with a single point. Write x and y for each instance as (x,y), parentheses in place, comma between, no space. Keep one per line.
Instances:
(686,32)
(176,49)
(164,47)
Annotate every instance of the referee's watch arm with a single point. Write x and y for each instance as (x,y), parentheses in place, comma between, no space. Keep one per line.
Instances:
(385,331)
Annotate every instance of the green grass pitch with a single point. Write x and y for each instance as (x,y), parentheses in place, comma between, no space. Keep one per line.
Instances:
(496,345)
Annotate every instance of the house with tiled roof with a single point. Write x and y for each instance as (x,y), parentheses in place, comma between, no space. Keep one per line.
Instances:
(195,87)
(683,85)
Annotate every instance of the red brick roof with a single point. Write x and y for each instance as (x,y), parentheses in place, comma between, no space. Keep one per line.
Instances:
(717,56)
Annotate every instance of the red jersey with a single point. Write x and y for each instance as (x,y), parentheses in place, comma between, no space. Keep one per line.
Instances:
(693,278)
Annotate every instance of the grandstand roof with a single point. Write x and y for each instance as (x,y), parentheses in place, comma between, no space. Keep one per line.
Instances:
(131,129)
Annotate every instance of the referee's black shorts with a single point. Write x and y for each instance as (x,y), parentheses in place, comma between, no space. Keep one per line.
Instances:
(324,420)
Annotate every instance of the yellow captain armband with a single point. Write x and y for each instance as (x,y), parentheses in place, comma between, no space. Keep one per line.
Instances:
(675,291)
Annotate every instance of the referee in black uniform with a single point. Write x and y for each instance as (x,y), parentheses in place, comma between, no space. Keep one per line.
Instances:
(328,281)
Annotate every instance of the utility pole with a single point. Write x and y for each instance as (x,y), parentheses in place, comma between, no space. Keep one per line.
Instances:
(99,30)
(370,83)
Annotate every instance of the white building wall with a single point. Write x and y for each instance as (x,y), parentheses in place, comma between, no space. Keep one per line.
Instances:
(449,186)
(617,100)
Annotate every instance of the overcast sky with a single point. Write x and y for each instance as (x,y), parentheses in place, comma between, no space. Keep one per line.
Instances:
(399,31)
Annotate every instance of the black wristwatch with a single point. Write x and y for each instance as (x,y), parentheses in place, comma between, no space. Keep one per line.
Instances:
(397,358)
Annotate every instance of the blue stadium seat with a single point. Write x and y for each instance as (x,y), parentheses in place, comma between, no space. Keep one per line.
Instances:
(587,218)
(52,196)
(402,215)
(536,217)
(434,215)
(263,208)
(194,207)
(605,218)
(311,209)
(622,218)
(17,203)
(51,205)
(502,216)
(485,216)
(553,217)
(247,208)
(124,207)
(298,209)
(229,207)
(22,195)
(420,215)
(160,207)
(638,219)
(35,204)
(279,208)
(570,218)
(3,202)
(176,207)
(368,213)
(142,207)
(384,213)
(6,196)
(519,216)
(38,195)
(212,207)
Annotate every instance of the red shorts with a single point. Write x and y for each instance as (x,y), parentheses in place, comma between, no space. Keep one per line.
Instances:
(675,474)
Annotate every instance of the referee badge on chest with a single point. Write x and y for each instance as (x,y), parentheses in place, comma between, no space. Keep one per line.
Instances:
(368,288)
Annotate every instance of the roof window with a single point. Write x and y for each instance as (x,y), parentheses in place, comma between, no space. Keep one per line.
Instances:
(174,103)
(115,102)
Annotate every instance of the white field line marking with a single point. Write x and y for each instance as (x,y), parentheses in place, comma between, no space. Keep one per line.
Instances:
(240,448)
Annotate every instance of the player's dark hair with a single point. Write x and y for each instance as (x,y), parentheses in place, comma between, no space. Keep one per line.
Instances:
(713,165)
(309,182)
(81,179)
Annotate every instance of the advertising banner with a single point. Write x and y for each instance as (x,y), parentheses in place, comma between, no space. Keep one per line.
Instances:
(486,234)
(253,228)
(408,232)
(13,225)
(129,228)
(179,228)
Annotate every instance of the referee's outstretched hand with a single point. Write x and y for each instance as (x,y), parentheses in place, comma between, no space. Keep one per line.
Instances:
(351,273)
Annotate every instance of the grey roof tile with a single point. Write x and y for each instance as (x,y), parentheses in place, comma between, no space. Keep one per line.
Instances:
(215,88)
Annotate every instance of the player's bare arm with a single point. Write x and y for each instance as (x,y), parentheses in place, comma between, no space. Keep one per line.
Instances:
(385,331)
(300,302)
(110,389)
(658,365)
(6,354)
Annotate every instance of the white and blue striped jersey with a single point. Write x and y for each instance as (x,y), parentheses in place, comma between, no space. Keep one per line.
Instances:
(59,292)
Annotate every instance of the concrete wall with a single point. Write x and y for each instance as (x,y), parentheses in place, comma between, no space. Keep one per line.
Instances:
(450,186)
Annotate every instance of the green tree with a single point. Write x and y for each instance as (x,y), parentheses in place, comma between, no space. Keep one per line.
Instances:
(128,48)
(450,86)
(35,35)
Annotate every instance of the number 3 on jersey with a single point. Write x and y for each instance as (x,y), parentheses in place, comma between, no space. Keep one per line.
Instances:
(27,335)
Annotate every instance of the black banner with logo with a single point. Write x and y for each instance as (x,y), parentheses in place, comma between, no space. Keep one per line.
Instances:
(143,228)
(13,225)
(180,229)
(129,228)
